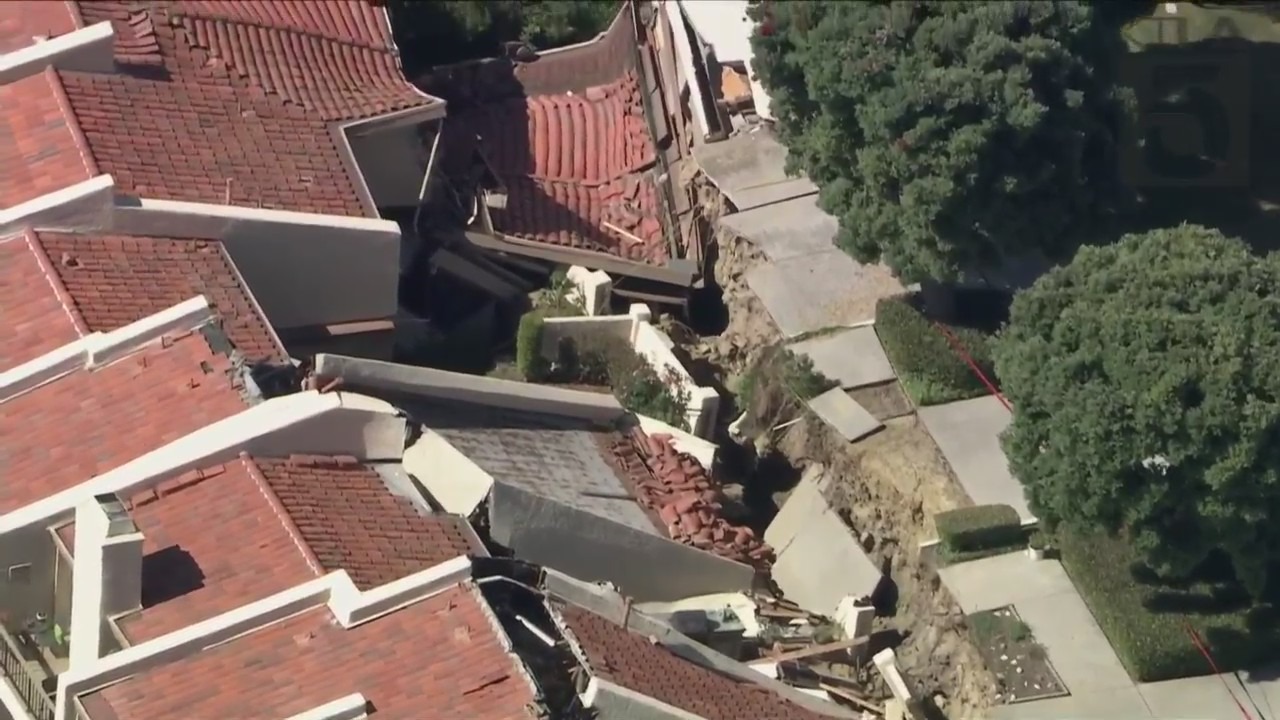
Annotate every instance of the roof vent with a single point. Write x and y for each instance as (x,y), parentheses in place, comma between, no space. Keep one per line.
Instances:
(118,520)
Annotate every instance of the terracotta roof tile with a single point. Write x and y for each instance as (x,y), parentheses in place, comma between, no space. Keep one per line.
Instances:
(91,421)
(36,320)
(203,143)
(682,498)
(190,572)
(351,521)
(39,149)
(22,22)
(567,136)
(633,662)
(439,658)
(233,101)
(116,280)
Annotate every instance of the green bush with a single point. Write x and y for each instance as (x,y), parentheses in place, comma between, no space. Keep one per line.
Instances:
(637,385)
(529,361)
(929,368)
(979,528)
(1145,620)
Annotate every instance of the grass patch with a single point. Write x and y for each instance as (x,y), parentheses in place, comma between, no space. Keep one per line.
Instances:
(949,556)
(929,368)
(1145,619)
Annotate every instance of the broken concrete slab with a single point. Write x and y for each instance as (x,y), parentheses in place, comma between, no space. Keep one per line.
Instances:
(822,290)
(968,434)
(844,414)
(748,169)
(853,358)
(819,561)
(787,229)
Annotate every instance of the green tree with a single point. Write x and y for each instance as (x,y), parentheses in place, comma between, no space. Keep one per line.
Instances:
(947,136)
(1145,381)
(443,32)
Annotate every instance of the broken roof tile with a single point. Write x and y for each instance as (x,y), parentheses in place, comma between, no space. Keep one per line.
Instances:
(70,430)
(567,136)
(632,661)
(682,498)
(441,657)
(115,280)
(38,315)
(39,147)
(349,518)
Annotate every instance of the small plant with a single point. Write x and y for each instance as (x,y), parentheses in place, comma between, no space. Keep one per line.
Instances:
(529,361)
(561,297)
(799,375)
(1038,541)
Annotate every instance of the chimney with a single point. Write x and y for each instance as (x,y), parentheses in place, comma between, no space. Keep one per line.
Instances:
(106,575)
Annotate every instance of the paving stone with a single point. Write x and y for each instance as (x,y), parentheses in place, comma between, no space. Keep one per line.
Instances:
(853,358)
(843,413)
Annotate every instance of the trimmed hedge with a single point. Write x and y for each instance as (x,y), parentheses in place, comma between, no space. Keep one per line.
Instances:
(979,528)
(1145,620)
(928,367)
(529,361)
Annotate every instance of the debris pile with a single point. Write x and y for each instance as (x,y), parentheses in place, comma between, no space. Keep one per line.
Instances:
(687,501)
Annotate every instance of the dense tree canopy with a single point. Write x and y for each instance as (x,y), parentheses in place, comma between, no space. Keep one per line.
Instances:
(1145,380)
(443,32)
(947,135)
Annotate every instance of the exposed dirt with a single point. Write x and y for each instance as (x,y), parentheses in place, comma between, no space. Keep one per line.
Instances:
(893,482)
(883,400)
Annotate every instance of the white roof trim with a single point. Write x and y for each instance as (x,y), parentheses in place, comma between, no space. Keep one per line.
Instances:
(88,49)
(97,349)
(98,193)
(349,606)
(351,707)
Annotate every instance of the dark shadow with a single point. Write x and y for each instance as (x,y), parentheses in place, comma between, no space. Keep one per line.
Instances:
(169,573)
(885,599)
(885,640)
(770,475)
(708,314)
(1235,112)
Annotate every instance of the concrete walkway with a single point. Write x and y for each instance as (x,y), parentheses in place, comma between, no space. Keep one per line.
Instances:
(968,434)
(1100,687)
(853,358)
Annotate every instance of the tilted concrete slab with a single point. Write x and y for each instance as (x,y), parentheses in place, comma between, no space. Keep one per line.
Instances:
(853,358)
(844,414)
(787,229)
(749,170)
(1002,580)
(968,434)
(819,291)
(819,560)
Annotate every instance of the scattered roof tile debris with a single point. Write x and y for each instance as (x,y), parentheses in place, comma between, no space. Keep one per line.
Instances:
(40,150)
(633,661)
(674,486)
(441,657)
(351,521)
(90,421)
(38,317)
(116,280)
(567,136)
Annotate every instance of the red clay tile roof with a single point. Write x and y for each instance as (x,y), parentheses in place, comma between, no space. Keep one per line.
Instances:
(91,421)
(22,22)
(350,520)
(39,148)
(567,136)
(292,519)
(683,499)
(116,280)
(631,661)
(440,658)
(38,316)
(233,101)
(213,542)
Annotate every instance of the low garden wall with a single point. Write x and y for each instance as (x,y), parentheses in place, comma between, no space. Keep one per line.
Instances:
(650,343)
